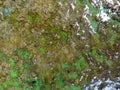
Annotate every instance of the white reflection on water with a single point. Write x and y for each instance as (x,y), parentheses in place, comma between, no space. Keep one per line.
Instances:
(108,84)
(87,21)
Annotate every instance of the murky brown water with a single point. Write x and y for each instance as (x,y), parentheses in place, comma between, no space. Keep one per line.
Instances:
(56,44)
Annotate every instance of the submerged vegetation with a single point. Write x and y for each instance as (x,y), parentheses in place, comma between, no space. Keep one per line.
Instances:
(47,45)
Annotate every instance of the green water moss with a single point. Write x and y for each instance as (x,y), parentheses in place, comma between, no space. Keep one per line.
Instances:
(30,19)
(65,66)
(24,54)
(2,56)
(81,63)
(42,50)
(11,62)
(37,19)
(93,53)
(113,38)
(80,3)
(33,18)
(42,40)
(63,35)
(92,10)
(72,87)
(72,75)
(41,85)
(109,63)
(59,81)
(13,74)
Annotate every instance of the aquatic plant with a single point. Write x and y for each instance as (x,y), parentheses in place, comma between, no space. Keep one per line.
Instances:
(81,63)
(42,50)
(24,54)
(80,3)
(59,81)
(11,62)
(42,40)
(109,63)
(70,67)
(72,87)
(30,19)
(65,66)
(113,39)
(37,19)
(72,75)
(63,35)
(2,56)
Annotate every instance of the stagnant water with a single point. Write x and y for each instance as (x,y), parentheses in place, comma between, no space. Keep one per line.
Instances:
(59,45)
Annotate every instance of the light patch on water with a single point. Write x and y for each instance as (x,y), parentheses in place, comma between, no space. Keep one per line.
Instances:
(73,6)
(95,2)
(103,16)
(60,4)
(109,1)
(77,25)
(87,21)
(67,14)
(110,85)
(116,55)
(108,88)
(73,3)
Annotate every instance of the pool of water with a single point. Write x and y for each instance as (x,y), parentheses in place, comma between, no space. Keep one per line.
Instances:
(59,45)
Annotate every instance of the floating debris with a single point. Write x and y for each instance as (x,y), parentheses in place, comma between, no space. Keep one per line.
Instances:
(73,6)
(6,11)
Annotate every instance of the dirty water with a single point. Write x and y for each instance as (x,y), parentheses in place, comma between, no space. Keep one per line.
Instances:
(59,45)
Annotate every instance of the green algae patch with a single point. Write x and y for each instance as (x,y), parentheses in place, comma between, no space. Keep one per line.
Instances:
(109,63)
(72,75)
(59,81)
(13,74)
(24,54)
(92,19)
(42,40)
(30,19)
(41,85)
(113,38)
(33,18)
(81,63)
(80,3)
(72,87)
(115,22)
(63,1)
(97,42)
(2,56)
(92,10)
(93,53)
(11,62)
(42,50)
(63,35)
(94,22)
(7,84)
(65,66)
(37,19)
